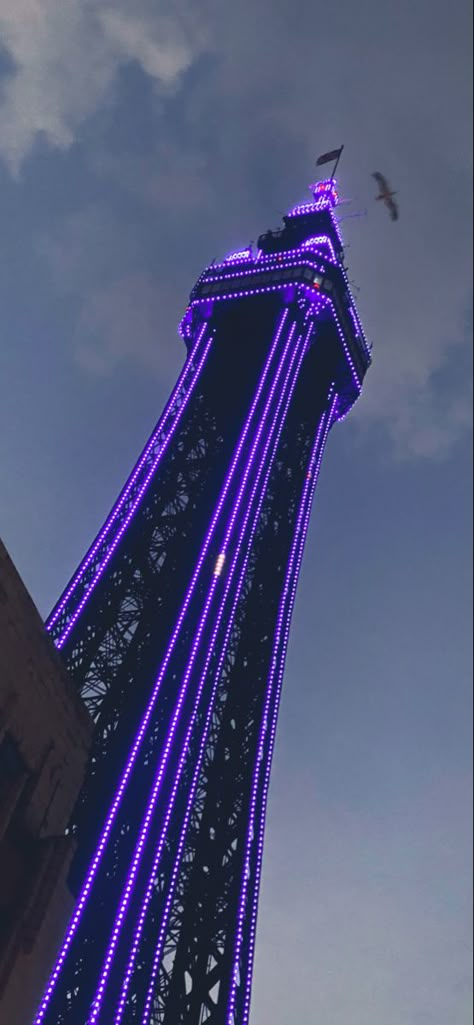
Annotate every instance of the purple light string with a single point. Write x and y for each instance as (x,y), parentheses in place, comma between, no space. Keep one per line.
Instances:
(218,296)
(230,1019)
(318,240)
(354,313)
(125,493)
(355,377)
(308,292)
(239,255)
(275,286)
(326,190)
(211,649)
(336,227)
(310,208)
(289,260)
(84,895)
(305,512)
(306,502)
(264,259)
(298,544)
(189,369)
(161,937)
(345,346)
(278,263)
(354,320)
(140,846)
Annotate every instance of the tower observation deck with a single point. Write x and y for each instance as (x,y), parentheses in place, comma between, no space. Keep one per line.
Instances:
(175,628)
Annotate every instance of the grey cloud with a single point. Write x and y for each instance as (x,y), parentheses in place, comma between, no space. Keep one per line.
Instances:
(66,59)
(124,313)
(273,96)
(126,322)
(226,154)
(86,249)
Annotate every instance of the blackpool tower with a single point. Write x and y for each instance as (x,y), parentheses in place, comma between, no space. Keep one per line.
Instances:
(175,628)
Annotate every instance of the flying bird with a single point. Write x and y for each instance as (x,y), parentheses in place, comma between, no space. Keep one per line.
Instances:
(386,194)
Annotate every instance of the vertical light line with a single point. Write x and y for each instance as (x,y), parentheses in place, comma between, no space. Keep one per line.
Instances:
(87,886)
(140,846)
(189,370)
(345,346)
(110,551)
(258,867)
(230,1019)
(211,648)
(204,673)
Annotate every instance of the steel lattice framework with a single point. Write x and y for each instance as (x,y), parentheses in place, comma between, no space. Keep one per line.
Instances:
(175,628)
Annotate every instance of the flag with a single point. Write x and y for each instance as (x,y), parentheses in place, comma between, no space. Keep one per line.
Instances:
(327,157)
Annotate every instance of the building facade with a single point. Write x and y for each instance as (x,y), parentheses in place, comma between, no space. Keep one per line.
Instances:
(174,630)
(45,735)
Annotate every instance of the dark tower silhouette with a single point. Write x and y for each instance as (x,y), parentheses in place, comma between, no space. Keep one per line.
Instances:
(175,629)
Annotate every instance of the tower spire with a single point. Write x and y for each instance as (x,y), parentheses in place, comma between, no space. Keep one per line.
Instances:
(175,627)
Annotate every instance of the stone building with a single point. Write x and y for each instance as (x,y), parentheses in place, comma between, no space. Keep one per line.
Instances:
(45,734)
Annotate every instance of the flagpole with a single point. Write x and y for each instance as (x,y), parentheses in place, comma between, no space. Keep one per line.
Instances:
(337,161)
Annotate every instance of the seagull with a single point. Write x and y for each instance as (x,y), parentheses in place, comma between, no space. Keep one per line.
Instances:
(386,194)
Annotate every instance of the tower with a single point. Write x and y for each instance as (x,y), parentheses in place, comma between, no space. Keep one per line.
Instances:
(174,629)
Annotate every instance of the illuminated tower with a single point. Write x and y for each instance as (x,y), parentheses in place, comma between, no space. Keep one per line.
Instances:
(175,628)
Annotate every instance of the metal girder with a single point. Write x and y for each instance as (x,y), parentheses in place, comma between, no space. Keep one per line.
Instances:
(193,982)
(177,667)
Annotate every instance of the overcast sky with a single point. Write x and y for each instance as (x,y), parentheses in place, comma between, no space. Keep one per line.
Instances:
(137,142)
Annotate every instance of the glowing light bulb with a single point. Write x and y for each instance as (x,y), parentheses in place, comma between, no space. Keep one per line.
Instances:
(219,566)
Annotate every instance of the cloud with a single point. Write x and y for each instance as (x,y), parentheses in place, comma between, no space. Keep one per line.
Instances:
(163,54)
(122,309)
(243,142)
(418,389)
(89,248)
(65,60)
(128,322)
(225,153)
